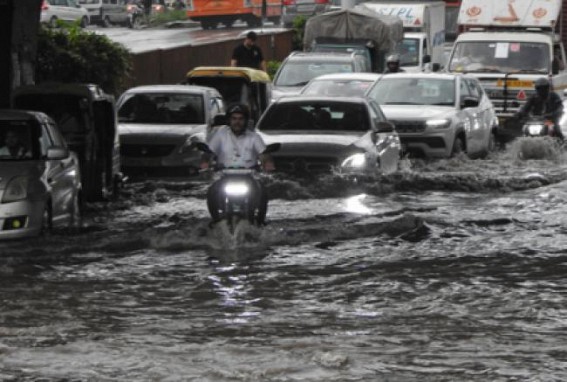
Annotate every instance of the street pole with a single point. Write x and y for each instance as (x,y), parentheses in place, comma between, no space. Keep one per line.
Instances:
(6,18)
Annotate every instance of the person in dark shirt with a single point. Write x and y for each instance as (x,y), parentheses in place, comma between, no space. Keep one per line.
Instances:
(248,54)
(545,103)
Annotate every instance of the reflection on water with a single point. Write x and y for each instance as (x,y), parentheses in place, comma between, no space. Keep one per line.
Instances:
(452,270)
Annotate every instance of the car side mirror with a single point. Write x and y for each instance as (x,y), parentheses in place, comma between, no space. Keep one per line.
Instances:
(220,119)
(426,59)
(470,102)
(385,127)
(435,67)
(58,153)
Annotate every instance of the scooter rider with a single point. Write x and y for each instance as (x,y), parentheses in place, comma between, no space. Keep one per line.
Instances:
(393,64)
(545,103)
(237,146)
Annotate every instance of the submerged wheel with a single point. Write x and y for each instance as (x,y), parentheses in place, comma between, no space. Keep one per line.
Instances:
(106,22)
(77,212)
(458,146)
(47,219)
(84,22)
(53,22)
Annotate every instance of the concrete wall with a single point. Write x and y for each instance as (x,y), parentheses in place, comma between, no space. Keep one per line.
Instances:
(170,66)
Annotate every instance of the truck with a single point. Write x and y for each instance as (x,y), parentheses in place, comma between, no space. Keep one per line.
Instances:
(211,13)
(508,45)
(358,30)
(424,31)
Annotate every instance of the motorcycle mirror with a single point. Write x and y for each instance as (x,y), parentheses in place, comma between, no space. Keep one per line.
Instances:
(201,146)
(272,148)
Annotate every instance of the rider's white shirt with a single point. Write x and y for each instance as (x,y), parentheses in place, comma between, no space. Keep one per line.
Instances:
(236,151)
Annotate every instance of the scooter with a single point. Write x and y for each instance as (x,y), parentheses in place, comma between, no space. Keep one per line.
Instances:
(237,194)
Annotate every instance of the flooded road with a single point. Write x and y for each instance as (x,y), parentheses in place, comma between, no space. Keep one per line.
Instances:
(453,270)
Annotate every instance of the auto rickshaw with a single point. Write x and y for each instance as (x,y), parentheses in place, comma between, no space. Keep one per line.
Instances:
(86,116)
(252,87)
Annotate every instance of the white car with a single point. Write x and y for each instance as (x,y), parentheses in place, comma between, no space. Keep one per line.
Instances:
(341,84)
(66,10)
(438,115)
(157,124)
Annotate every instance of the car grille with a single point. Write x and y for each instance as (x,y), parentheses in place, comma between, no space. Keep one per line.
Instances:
(433,142)
(305,164)
(409,126)
(146,151)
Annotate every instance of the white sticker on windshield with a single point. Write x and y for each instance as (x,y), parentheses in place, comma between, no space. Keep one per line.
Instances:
(501,50)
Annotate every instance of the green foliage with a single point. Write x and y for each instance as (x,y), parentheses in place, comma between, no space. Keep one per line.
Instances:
(166,17)
(71,54)
(299,29)
(273,67)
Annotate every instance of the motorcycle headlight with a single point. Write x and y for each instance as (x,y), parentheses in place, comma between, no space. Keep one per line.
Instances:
(536,129)
(438,123)
(17,189)
(236,189)
(355,161)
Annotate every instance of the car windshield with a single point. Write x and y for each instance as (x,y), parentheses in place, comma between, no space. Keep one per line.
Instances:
(346,88)
(500,57)
(316,115)
(18,140)
(414,91)
(409,52)
(300,73)
(162,108)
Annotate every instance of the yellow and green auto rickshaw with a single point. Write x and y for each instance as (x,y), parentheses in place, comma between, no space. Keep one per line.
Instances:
(86,116)
(252,87)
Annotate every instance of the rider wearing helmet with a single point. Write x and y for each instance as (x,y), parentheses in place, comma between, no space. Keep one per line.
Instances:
(544,103)
(393,64)
(234,145)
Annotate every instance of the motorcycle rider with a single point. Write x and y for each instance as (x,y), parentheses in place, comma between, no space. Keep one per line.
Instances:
(545,103)
(393,64)
(234,145)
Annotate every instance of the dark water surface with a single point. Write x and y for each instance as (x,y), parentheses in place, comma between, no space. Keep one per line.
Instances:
(446,271)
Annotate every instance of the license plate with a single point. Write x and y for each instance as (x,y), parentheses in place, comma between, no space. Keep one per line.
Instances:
(516,83)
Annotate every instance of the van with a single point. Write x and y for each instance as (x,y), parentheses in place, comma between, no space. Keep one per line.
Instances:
(107,12)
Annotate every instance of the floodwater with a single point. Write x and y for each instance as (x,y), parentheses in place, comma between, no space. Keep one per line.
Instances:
(449,270)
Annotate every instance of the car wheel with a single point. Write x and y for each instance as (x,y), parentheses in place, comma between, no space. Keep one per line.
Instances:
(53,22)
(492,146)
(47,219)
(106,22)
(84,22)
(458,146)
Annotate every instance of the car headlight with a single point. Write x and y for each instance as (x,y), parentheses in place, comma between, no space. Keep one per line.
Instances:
(355,161)
(438,123)
(236,189)
(17,189)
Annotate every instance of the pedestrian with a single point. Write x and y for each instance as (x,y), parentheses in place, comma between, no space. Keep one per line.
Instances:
(248,54)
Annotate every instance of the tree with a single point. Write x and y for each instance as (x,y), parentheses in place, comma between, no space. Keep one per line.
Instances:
(19,23)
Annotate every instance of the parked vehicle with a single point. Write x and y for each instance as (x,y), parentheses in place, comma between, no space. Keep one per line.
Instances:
(236,85)
(107,12)
(65,10)
(305,8)
(86,116)
(40,181)
(156,124)
(326,134)
(359,30)
(301,67)
(424,31)
(507,46)
(213,12)
(340,84)
(438,115)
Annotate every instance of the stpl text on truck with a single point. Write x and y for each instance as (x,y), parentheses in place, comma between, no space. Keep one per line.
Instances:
(507,45)
(211,13)
(424,31)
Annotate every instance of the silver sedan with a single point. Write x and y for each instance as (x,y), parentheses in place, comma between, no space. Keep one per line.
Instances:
(40,183)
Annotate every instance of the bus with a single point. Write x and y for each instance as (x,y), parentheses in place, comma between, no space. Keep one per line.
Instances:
(211,13)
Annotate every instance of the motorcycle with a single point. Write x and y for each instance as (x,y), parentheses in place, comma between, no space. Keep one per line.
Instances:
(237,194)
(545,148)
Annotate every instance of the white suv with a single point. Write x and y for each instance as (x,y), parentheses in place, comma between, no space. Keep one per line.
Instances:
(66,10)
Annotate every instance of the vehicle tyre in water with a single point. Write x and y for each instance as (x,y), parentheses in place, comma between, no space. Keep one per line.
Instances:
(47,219)
(84,22)
(77,213)
(458,146)
(53,22)
(106,22)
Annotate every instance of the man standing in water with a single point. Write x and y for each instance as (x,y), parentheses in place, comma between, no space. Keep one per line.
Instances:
(248,54)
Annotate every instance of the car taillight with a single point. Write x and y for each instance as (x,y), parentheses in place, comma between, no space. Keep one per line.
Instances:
(44,6)
(288,2)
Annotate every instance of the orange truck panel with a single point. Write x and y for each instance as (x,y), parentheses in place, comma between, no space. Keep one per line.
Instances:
(207,8)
